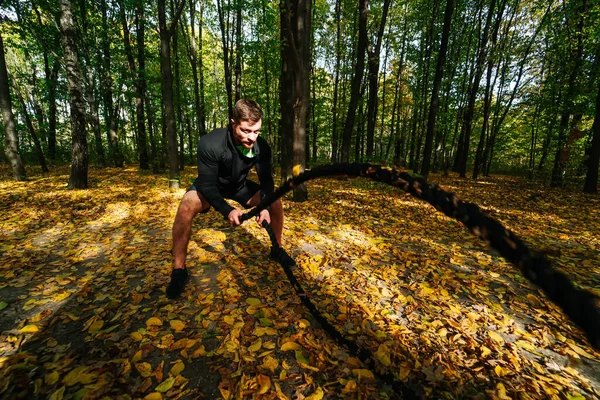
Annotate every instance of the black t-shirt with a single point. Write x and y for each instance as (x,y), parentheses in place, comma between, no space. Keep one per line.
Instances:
(222,169)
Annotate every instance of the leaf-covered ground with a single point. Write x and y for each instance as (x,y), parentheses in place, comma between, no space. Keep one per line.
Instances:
(83,312)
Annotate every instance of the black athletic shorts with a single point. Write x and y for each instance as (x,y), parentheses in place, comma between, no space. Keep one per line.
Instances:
(241,195)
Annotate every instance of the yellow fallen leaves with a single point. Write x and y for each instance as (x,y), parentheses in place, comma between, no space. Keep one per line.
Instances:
(176,325)
(496,337)
(288,346)
(264,384)
(166,385)
(29,329)
(154,321)
(144,368)
(253,301)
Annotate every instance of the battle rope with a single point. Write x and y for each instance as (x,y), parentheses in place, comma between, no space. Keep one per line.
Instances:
(581,306)
(365,356)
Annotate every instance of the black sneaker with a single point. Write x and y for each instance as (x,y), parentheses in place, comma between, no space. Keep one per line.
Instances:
(279,254)
(179,278)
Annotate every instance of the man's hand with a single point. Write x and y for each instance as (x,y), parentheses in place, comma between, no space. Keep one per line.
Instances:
(263,216)
(234,217)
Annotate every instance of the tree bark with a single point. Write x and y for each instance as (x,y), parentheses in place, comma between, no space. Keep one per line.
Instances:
(11,140)
(79,162)
(295,87)
(107,83)
(196,62)
(167,89)
(373,74)
(363,9)
(30,128)
(437,80)
(224,25)
(591,177)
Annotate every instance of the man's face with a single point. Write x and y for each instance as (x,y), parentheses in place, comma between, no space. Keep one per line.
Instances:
(245,133)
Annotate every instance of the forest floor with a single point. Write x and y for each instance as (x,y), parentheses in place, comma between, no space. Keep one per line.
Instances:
(83,312)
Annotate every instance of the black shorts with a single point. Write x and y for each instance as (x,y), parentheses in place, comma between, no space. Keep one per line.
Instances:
(241,195)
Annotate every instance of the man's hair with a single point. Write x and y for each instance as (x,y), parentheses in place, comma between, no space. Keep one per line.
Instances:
(247,110)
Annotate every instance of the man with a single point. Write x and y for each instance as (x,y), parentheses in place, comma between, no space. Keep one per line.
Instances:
(225,156)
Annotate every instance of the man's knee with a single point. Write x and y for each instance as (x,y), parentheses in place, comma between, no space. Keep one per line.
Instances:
(277,206)
(192,204)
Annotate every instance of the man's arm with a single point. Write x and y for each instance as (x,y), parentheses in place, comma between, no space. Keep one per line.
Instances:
(208,173)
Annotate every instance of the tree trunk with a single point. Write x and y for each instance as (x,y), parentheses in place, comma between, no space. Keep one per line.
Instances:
(227,68)
(338,56)
(295,86)
(373,74)
(109,108)
(11,140)
(561,156)
(29,123)
(79,162)
(167,90)
(591,177)
(363,9)
(437,80)
(238,51)
(196,62)
(93,117)
(470,110)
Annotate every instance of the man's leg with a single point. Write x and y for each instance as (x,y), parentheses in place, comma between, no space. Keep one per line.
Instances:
(192,203)
(280,255)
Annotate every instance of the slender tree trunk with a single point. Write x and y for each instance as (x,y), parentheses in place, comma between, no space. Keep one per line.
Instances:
(295,86)
(437,81)
(238,51)
(363,9)
(153,138)
(167,89)
(30,128)
(79,162)
(593,163)
(178,99)
(338,56)
(227,68)
(109,108)
(52,82)
(11,140)
(196,62)
(373,74)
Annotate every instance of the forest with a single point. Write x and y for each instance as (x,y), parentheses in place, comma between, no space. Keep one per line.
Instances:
(474,87)
(496,102)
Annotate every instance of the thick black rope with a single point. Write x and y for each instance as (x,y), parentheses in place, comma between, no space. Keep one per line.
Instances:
(362,354)
(581,306)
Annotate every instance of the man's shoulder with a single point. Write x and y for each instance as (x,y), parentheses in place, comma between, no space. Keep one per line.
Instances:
(262,143)
(213,140)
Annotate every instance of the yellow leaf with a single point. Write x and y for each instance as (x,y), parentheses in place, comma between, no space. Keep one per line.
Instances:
(177,325)
(383,355)
(254,347)
(51,378)
(136,357)
(96,326)
(166,385)
(144,368)
(270,363)
(580,351)
(499,371)
(264,384)
(153,321)
(405,369)
(226,393)
(137,336)
(317,395)
(58,395)
(363,374)
(296,169)
(29,329)
(287,346)
(253,301)
(350,387)
(485,351)
(177,368)
(496,337)
(153,396)
(72,377)
(229,319)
